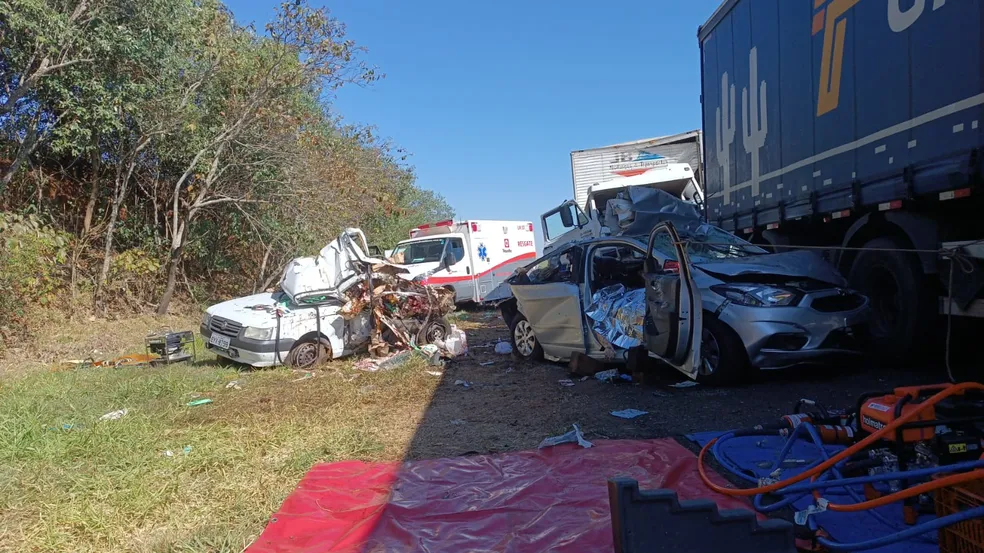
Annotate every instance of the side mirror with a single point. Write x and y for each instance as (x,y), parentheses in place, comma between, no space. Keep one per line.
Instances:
(566,217)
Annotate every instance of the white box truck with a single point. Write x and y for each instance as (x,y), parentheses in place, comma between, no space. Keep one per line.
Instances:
(477,254)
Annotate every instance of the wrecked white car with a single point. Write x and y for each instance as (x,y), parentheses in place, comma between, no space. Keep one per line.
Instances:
(329,306)
(704,301)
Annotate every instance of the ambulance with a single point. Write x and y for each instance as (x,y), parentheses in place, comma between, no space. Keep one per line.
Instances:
(470,257)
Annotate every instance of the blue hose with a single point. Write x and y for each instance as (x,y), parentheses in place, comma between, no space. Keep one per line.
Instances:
(977,512)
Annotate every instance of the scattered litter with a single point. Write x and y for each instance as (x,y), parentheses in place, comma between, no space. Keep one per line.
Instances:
(625,377)
(114,415)
(464,383)
(432,353)
(457,342)
(307,376)
(487,363)
(65,427)
(503,348)
(168,453)
(684,384)
(197,402)
(658,393)
(458,422)
(566,382)
(394,361)
(435,373)
(574,436)
(187,449)
(510,369)
(629,413)
(233,385)
(585,378)
(486,345)
(607,376)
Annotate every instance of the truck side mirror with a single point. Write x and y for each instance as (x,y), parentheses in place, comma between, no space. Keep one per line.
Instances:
(566,217)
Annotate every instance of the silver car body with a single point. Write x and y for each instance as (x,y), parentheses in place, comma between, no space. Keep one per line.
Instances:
(556,310)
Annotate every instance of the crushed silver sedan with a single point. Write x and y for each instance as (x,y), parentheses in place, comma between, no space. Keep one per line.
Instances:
(695,296)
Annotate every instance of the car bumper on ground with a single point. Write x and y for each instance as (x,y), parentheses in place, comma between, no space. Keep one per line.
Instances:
(257,353)
(780,337)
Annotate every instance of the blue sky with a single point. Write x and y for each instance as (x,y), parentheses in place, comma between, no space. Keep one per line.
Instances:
(491,97)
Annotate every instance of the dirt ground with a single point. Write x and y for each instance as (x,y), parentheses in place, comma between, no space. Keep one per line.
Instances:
(513,405)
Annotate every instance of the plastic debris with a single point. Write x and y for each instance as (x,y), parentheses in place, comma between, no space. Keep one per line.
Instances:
(684,384)
(574,436)
(619,315)
(458,422)
(629,413)
(510,369)
(197,402)
(234,385)
(394,361)
(435,373)
(168,453)
(114,415)
(464,383)
(625,377)
(456,343)
(607,376)
(503,348)
(187,449)
(567,382)
(585,378)
(306,376)
(487,363)
(432,353)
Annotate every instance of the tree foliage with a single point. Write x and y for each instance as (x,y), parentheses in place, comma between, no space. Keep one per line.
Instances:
(180,151)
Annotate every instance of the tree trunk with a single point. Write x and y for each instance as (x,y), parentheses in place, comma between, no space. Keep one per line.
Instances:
(263,266)
(23,151)
(174,259)
(90,207)
(108,251)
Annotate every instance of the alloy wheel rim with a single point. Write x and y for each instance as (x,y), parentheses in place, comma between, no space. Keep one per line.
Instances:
(710,353)
(525,340)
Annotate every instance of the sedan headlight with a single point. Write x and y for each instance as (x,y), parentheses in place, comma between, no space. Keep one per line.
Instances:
(757,295)
(206,319)
(254,333)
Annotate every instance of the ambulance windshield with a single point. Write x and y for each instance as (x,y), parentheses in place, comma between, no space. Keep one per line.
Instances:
(421,251)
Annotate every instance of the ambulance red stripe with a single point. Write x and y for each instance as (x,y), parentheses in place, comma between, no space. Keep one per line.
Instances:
(453,279)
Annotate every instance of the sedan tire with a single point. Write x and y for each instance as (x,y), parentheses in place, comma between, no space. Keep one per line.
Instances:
(524,342)
(723,358)
(308,353)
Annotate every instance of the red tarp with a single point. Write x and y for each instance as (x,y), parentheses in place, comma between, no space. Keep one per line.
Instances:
(549,500)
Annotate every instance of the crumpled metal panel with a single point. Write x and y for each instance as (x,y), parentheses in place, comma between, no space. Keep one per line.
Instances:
(619,315)
(553,499)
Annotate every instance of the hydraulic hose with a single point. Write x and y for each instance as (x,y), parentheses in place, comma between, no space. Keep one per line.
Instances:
(914,531)
(826,465)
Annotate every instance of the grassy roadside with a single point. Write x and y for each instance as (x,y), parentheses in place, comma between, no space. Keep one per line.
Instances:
(70,482)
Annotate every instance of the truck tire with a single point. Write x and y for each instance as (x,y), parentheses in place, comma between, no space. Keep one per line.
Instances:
(524,342)
(723,358)
(902,302)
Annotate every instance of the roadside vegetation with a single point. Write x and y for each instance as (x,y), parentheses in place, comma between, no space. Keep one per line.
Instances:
(161,151)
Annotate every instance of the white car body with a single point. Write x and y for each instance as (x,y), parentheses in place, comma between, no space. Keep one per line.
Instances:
(480,254)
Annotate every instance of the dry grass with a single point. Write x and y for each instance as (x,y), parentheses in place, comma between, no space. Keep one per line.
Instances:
(69,482)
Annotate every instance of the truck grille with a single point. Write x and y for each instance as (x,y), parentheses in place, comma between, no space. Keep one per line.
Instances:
(225,326)
(841,302)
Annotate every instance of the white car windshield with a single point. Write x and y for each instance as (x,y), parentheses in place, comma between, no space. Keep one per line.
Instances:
(422,251)
(706,243)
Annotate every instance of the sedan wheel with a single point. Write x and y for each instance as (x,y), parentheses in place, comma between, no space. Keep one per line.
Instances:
(710,353)
(723,358)
(524,342)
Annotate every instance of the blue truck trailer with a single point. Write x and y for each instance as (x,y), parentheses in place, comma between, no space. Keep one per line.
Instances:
(854,125)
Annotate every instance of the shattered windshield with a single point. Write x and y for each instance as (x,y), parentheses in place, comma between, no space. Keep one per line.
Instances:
(706,243)
(422,251)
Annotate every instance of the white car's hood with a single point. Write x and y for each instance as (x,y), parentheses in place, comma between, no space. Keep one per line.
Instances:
(243,310)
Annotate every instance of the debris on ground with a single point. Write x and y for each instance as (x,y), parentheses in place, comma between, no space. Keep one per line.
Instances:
(582,364)
(629,413)
(133,360)
(197,402)
(607,376)
(234,385)
(464,383)
(307,376)
(574,436)
(487,363)
(684,384)
(114,415)
(503,348)
(585,378)
(435,373)
(566,382)
(458,422)
(509,370)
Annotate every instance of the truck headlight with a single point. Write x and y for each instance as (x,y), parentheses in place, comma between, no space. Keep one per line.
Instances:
(757,295)
(254,333)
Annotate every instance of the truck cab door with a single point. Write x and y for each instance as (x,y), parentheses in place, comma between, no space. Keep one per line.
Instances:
(566,223)
(673,323)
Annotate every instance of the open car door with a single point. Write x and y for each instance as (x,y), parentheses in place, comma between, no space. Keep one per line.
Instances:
(673,324)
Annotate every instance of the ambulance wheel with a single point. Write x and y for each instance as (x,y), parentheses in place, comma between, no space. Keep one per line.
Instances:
(308,353)
(524,342)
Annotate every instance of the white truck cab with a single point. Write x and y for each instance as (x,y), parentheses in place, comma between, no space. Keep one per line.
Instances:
(477,255)
(604,209)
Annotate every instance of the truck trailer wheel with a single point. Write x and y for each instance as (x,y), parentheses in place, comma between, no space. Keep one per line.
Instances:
(902,308)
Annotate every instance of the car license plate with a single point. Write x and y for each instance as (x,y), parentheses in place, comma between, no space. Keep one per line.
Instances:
(219,341)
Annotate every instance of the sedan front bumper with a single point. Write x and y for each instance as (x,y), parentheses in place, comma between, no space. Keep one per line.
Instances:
(817,330)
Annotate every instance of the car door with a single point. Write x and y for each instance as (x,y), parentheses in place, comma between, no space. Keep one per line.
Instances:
(673,326)
(549,296)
